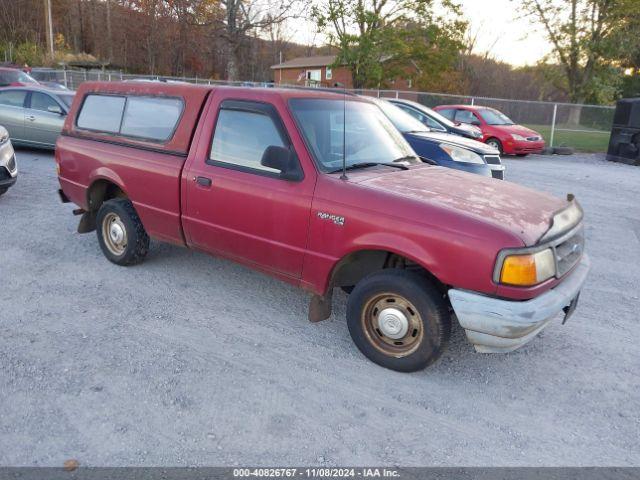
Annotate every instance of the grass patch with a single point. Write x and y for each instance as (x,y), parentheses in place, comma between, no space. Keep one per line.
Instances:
(595,141)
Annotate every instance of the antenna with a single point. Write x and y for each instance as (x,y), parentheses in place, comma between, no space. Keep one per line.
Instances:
(344,132)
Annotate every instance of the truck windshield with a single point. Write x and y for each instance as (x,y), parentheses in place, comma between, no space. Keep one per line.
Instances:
(359,130)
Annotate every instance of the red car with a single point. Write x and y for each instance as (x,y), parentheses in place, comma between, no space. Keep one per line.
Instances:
(259,176)
(498,130)
(12,77)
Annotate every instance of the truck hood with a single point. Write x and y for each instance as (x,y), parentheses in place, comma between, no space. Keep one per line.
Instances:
(469,144)
(525,212)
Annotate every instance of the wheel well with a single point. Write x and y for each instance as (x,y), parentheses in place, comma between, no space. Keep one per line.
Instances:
(357,265)
(101,191)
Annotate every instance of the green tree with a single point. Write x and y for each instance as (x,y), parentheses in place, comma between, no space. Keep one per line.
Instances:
(588,42)
(378,39)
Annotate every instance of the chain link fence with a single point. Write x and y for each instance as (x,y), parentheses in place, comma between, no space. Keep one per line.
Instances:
(585,128)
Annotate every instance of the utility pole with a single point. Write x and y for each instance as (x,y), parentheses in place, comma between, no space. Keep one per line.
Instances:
(49,23)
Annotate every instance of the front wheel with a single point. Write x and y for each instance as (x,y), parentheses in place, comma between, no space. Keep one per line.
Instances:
(122,237)
(495,143)
(398,320)
(3,191)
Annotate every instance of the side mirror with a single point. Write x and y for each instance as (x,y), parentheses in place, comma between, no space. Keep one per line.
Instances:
(55,109)
(284,160)
(476,123)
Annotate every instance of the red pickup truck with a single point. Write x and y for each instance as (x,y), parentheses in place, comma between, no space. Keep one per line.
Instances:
(319,190)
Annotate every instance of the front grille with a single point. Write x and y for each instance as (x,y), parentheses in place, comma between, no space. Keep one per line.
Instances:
(499,174)
(533,139)
(493,159)
(11,164)
(568,252)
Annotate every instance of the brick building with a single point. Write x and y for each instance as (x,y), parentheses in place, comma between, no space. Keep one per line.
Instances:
(318,72)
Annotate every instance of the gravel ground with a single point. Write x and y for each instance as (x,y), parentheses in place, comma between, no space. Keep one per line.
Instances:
(193,360)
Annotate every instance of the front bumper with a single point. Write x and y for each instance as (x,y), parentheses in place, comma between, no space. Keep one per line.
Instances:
(523,147)
(493,325)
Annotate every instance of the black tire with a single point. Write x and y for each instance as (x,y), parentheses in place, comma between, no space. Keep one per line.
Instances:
(563,150)
(135,244)
(521,154)
(494,142)
(3,191)
(428,318)
(348,289)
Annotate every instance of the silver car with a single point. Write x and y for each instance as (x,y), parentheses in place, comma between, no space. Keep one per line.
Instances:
(34,115)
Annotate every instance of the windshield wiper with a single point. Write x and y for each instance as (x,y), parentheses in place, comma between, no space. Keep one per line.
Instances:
(428,160)
(403,159)
(373,164)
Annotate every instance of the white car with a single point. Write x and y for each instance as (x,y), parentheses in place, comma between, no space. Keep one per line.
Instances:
(8,165)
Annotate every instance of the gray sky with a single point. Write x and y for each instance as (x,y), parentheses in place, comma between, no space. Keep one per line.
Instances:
(498,24)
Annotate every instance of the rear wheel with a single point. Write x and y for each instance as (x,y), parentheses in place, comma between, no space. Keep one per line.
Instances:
(122,237)
(521,154)
(495,143)
(3,191)
(398,320)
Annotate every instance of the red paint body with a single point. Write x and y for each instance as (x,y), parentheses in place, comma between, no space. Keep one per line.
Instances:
(510,146)
(13,77)
(450,222)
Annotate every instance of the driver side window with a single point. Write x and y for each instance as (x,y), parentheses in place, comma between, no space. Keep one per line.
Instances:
(241,138)
(41,101)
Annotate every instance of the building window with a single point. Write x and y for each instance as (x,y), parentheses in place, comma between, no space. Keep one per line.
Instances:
(314,75)
(329,73)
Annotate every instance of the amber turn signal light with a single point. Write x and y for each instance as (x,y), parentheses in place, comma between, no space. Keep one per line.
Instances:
(528,269)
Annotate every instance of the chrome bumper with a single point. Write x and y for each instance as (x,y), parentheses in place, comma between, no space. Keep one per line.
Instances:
(496,326)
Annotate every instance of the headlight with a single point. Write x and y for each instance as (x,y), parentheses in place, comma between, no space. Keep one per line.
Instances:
(564,220)
(520,138)
(476,134)
(461,154)
(525,270)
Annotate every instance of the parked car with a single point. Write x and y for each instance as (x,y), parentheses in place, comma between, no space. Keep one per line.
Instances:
(435,121)
(34,115)
(8,164)
(444,149)
(498,130)
(258,176)
(12,77)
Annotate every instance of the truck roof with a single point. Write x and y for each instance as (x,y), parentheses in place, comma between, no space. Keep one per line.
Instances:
(194,97)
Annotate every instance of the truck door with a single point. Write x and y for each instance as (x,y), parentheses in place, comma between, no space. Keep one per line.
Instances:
(234,205)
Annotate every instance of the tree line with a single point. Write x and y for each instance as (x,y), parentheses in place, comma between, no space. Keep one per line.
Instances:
(595,43)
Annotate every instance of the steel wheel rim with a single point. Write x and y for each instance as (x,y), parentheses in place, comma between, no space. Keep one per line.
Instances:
(382,322)
(494,144)
(114,234)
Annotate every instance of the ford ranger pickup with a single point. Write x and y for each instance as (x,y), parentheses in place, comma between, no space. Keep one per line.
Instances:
(320,190)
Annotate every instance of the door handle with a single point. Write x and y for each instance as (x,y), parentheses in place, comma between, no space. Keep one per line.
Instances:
(31,118)
(204,181)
